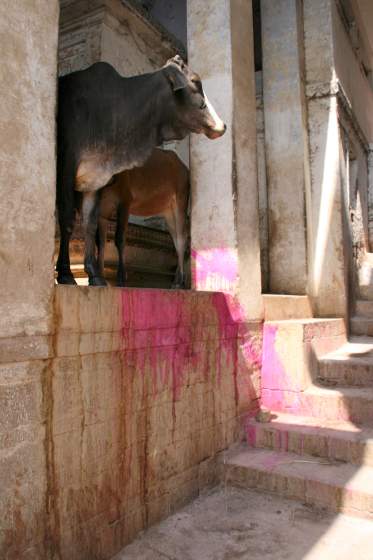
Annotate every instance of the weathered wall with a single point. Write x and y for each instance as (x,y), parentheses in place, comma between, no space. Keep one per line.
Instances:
(142,389)
(350,74)
(28,46)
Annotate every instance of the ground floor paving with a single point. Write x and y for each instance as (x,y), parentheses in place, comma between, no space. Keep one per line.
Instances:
(234,524)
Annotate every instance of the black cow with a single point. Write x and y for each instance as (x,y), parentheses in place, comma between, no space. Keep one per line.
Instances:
(106,124)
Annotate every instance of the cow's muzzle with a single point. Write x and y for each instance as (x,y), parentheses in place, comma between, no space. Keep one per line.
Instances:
(215,127)
(213,133)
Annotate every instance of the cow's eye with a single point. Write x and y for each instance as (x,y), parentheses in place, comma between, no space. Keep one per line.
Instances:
(203,104)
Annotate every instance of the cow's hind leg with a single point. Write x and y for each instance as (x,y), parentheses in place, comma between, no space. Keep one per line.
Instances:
(90,218)
(120,243)
(66,217)
(101,243)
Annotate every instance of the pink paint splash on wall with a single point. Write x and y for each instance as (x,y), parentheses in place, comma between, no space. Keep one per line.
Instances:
(215,269)
(171,333)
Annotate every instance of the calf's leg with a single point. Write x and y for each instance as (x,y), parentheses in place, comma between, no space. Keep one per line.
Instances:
(101,243)
(120,243)
(176,222)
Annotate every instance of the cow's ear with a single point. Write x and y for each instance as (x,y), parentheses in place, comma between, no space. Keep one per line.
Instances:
(176,78)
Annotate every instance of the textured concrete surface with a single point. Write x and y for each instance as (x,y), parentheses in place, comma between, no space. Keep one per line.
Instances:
(236,524)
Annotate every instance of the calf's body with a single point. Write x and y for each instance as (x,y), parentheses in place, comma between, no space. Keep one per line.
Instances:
(159,187)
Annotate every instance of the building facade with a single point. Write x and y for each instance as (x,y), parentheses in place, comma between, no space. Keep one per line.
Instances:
(115,403)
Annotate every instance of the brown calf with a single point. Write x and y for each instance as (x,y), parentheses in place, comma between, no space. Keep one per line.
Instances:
(160,187)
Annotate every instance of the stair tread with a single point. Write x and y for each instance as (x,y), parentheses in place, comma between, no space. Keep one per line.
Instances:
(342,429)
(340,391)
(357,350)
(307,320)
(337,474)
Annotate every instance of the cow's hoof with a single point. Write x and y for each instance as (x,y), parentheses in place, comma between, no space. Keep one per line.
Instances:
(177,286)
(121,284)
(66,279)
(97,281)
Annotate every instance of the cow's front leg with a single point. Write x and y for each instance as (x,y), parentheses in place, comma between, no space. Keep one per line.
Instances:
(90,219)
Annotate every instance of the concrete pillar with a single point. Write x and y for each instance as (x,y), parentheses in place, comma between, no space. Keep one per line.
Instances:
(370,198)
(286,144)
(27,162)
(28,46)
(224,220)
(328,269)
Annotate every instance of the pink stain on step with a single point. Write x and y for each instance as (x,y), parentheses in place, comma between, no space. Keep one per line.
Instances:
(277,389)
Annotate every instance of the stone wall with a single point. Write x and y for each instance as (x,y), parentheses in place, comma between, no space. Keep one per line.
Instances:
(140,390)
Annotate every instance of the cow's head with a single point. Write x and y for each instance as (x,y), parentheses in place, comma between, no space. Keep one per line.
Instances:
(193,111)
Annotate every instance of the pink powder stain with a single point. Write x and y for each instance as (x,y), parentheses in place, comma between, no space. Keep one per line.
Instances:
(163,332)
(215,269)
(251,434)
(275,393)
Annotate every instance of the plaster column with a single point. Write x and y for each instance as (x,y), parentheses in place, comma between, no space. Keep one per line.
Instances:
(326,218)
(286,144)
(370,198)
(225,218)
(28,46)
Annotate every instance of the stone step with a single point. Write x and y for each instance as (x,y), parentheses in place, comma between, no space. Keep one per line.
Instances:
(291,350)
(352,404)
(334,440)
(339,487)
(361,326)
(351,364)
(279,307)
(364,308)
